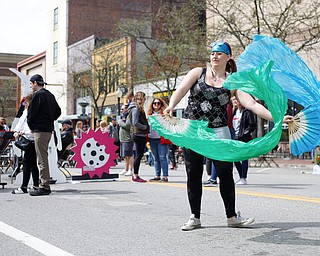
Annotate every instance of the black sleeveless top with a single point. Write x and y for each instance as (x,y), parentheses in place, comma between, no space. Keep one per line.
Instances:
(208,103)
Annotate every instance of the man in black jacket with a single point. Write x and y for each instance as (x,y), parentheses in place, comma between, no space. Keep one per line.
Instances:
(42,112)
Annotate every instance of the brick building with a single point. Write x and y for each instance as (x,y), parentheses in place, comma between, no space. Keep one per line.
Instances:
(100,17)
(8,84)
(74,20)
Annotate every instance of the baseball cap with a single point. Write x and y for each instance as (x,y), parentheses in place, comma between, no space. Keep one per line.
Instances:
(67,121)
(37,78)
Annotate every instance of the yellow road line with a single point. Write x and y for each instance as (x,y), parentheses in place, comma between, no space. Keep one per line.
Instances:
(280,196)
(249,193)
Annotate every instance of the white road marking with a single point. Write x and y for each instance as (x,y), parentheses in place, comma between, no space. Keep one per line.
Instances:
(264,169)
(31,241)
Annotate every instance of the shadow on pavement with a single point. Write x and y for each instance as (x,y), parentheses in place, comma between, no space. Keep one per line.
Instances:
(288,233)
(90,192)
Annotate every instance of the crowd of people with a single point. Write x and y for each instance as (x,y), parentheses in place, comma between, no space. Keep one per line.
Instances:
(138,140)
(132,134)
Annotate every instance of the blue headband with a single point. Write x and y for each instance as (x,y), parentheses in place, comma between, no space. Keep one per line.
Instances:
(220,47)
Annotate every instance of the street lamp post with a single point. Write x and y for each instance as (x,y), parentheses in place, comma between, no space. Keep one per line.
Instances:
(119,95)
(83,105)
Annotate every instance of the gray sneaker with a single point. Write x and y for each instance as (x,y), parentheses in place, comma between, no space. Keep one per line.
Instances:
(239,222)
(192,223)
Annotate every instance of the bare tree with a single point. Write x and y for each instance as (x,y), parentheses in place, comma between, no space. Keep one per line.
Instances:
(170,40)
(295,22)
(8,99)
(106,70)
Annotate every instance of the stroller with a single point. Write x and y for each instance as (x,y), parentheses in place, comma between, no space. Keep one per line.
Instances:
(64,157)
(5,153)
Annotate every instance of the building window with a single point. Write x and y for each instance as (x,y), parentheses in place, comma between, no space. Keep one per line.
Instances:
(110,78)
(117,76)
(55,53)
(55,19)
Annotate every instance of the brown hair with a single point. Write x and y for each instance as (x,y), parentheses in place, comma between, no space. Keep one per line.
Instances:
(29,96)
(163,106)
(129,97)
(139,96)
(231,64)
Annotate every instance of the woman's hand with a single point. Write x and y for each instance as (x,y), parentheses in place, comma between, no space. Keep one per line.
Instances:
(287,119)
(168,111)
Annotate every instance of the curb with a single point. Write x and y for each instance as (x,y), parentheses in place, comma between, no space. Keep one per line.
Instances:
(308,166)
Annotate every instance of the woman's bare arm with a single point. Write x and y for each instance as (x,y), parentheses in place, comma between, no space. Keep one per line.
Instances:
(191,77)
(248,102)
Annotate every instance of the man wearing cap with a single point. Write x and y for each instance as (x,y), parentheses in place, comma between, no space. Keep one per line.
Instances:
(67,139)
(42,112)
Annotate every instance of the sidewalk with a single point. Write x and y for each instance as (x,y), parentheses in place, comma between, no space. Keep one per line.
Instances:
(294,163)
(281,162)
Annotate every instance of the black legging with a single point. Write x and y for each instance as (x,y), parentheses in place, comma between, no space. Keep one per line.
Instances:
(194,169)
(140,145)
(209,163)
(172,154)
(30,167)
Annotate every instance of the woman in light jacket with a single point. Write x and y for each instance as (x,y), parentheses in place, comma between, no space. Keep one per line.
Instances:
(29,158)
(140,127)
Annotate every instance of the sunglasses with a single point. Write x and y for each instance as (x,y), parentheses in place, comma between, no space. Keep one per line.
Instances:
(156,103)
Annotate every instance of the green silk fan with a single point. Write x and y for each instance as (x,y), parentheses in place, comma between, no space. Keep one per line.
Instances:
(197,136)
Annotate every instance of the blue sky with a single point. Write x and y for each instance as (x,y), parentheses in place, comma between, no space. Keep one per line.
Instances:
(24,26)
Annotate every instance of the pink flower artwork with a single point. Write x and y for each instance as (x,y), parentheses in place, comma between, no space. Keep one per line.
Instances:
(94,153)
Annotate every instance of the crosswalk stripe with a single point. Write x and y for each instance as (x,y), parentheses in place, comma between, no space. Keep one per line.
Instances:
(31,241)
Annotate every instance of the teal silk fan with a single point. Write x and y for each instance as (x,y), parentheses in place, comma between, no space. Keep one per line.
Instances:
(297,81)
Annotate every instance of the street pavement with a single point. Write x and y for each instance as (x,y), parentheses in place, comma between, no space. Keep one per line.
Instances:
(123,218)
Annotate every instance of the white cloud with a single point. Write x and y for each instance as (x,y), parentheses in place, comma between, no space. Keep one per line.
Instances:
(24,26)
